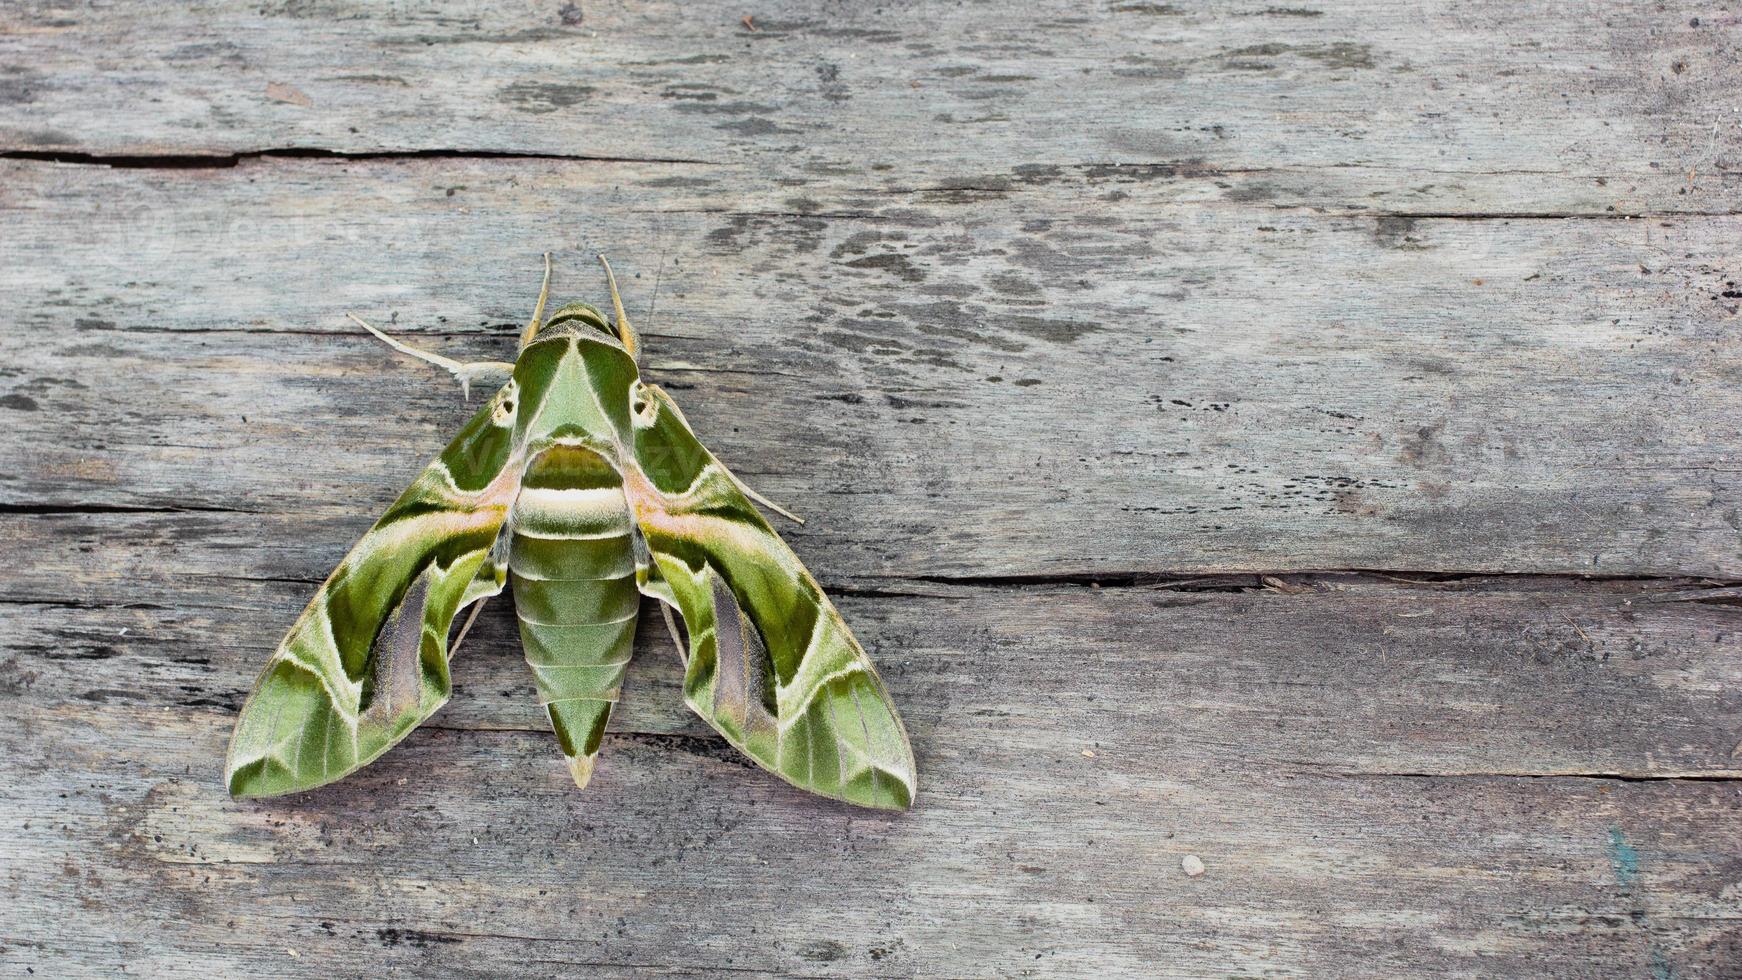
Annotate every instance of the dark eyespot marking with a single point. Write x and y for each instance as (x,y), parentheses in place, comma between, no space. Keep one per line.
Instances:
(643,407)
(506,404)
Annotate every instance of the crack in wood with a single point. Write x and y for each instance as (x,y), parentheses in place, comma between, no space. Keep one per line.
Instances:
(1683,776)
(224,161)
(1000,185)
(54,509)
(1689,588)
(1280,581)
(710,746)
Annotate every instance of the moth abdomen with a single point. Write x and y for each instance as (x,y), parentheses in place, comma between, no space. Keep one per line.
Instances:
(572,564)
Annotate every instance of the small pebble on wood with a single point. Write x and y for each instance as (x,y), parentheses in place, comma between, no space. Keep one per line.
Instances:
(1193,866)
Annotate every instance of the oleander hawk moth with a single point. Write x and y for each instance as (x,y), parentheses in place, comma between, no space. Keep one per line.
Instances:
(581,486)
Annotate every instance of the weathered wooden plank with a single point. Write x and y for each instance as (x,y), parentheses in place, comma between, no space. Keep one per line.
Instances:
(1479,107)
(1634,678)
(1381,776)
(1112,292)
(1037,382)
(1307,876)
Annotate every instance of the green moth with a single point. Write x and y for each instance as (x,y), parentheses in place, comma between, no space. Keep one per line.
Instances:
(583,487)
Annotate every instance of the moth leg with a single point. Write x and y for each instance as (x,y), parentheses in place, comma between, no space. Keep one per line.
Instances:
(465,371)
(625,332)
(764,501)
(538,311)
(753,495)
(683,653)
(736,481)
(466,627)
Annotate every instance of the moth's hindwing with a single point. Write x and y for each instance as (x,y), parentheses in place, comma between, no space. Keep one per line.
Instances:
(770,663)
(367,661)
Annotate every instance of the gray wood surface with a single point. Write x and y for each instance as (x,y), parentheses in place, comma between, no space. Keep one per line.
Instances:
(1300,437)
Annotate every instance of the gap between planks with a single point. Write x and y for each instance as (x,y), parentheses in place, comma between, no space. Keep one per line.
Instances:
(708,746)
(1187,171)
(225,161)
(1683,588)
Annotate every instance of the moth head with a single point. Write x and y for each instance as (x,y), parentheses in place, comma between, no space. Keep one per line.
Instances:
(575,318)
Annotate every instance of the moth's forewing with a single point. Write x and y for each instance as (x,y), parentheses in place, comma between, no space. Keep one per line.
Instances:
(771,664)
(367,660)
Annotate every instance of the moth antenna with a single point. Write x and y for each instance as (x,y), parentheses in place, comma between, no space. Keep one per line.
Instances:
(538,311)
(624,330)
(464,371)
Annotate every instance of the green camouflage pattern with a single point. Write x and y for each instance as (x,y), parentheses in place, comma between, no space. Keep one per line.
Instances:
(585,488)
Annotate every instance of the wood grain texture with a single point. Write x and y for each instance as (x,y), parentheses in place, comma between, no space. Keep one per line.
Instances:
(997,385)
(1300,437)
(1619,108)
(1480,776)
